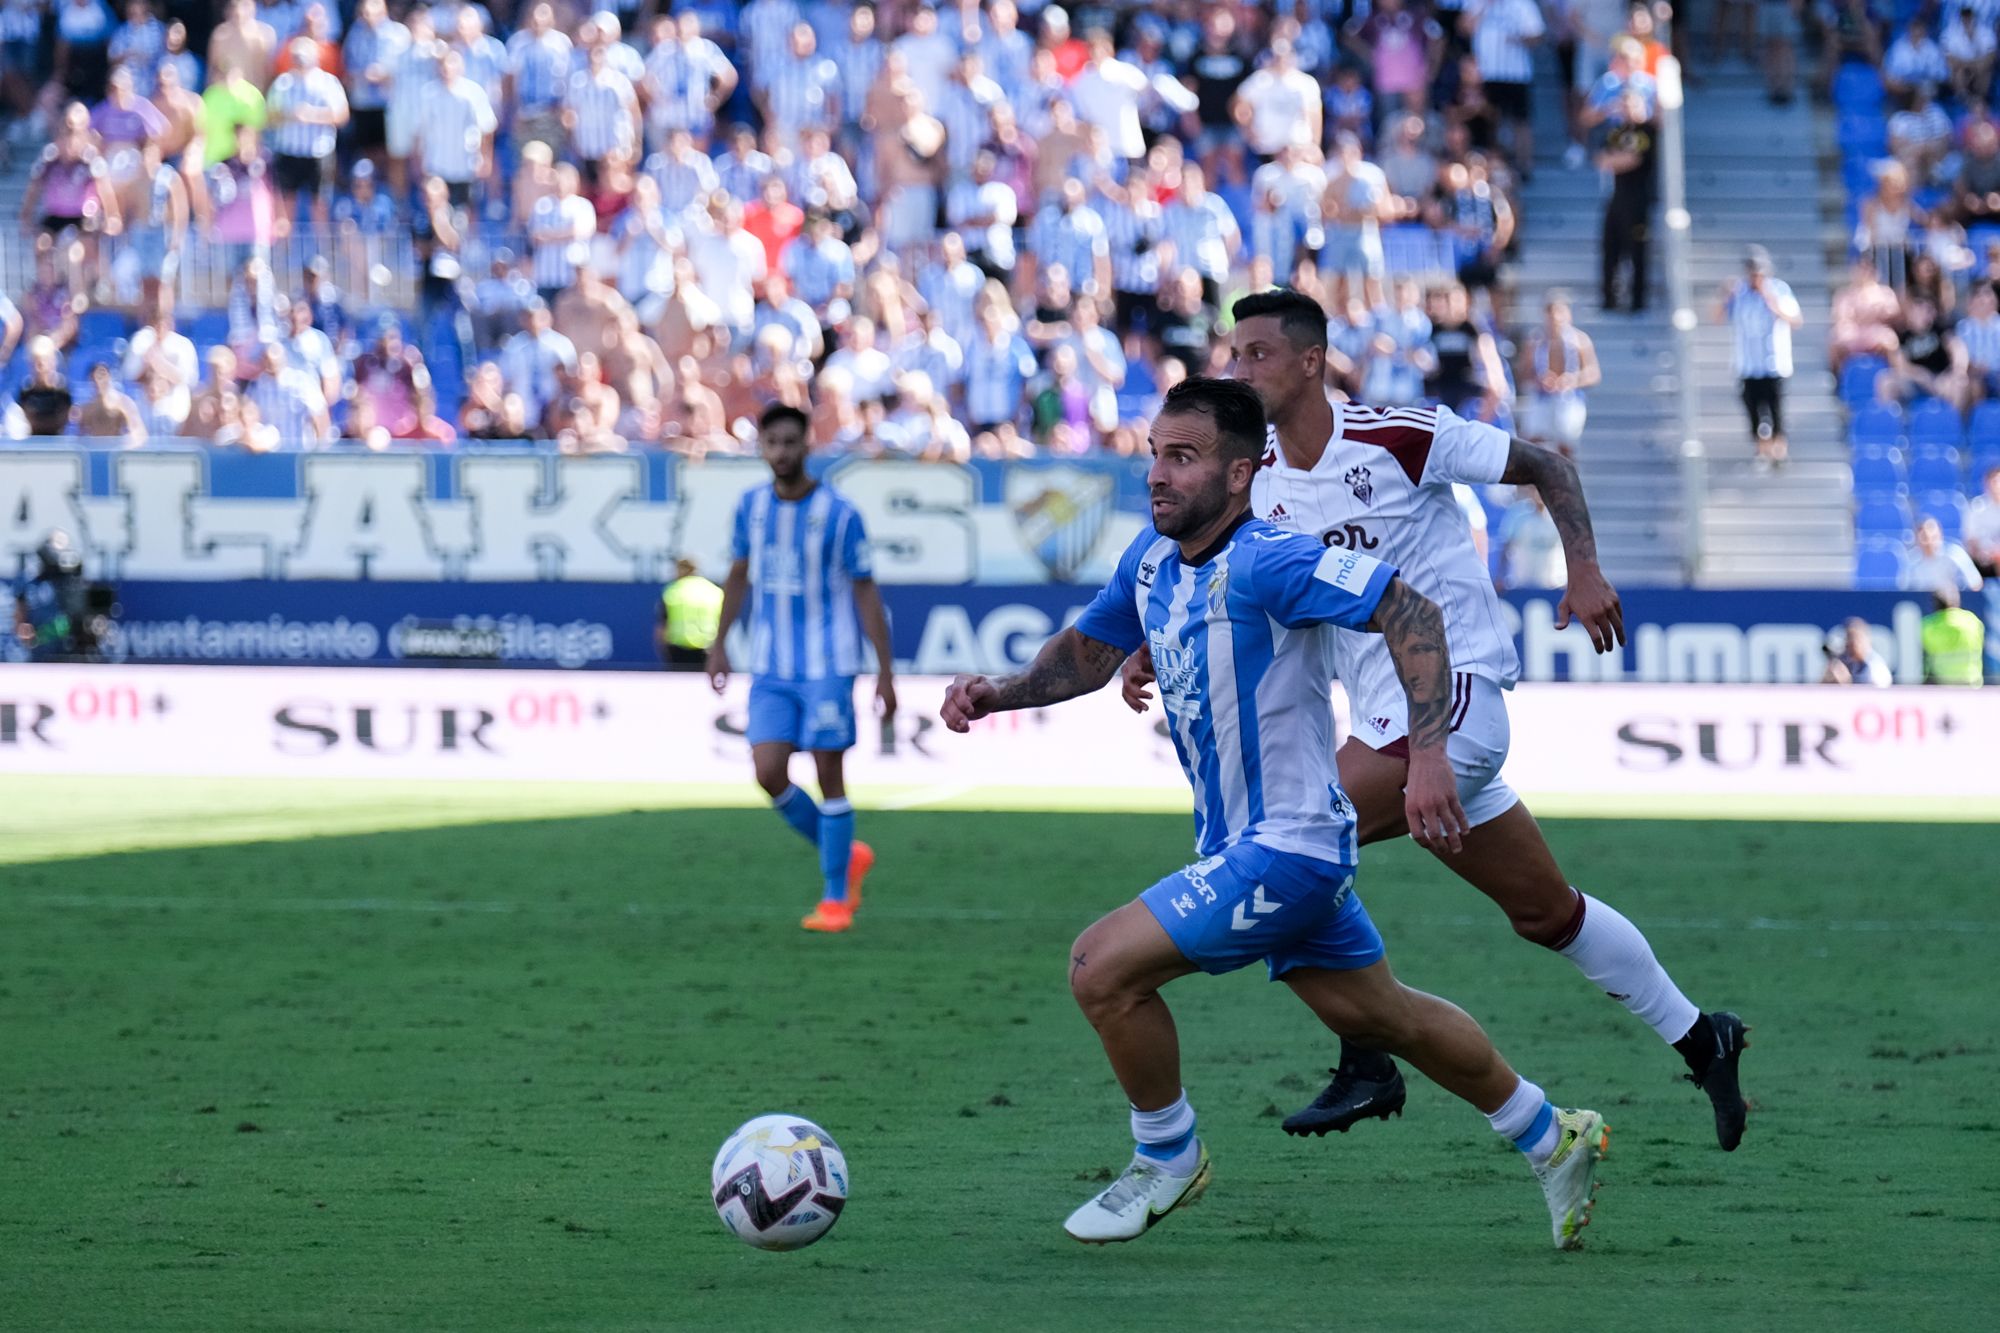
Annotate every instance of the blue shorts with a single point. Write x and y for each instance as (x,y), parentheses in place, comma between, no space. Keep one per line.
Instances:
(804,714)
(1250,902)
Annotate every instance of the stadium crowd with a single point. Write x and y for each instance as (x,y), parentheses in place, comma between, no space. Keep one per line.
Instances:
(1915,341)
(990,229)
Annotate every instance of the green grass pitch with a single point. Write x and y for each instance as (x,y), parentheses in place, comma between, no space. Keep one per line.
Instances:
(363,1064)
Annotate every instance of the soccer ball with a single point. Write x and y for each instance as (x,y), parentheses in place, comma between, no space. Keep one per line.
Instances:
(779,1182)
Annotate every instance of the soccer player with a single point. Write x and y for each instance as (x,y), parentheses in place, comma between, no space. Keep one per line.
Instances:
(1378,481)
(1237,614)
(801,563)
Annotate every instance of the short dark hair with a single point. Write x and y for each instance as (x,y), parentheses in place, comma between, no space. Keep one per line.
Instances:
(1234,406)
(780,412)
(1302,319)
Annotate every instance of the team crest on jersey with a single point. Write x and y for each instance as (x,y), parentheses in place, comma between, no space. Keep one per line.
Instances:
(1364,489)
(1061,512)
(1218,591)
(1175,667)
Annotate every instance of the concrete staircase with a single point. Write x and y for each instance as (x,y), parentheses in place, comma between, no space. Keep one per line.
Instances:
(1752,176)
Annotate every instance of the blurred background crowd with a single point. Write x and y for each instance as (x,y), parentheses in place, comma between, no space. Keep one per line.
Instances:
(958,230)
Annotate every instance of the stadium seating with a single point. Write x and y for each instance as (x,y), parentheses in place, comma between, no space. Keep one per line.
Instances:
(1878,471)
(1878,564)
(1934,422)
(1935,468)
(1876,425)
(1857,379)
(1947,507)
(1884,516)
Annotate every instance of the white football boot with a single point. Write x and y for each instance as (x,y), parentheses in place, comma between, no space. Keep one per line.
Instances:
(1569,1178)
(1136,1200)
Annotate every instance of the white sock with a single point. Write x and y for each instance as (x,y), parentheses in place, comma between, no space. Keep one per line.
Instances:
(1167,1136)
(1527,1121)
(1615,956)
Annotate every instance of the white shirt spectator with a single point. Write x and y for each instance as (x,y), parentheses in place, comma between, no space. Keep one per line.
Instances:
(529,363)
(1982,342)
(177,353)
(993,200)
(1967,45)
(929,57)
(728,266)
(452,128)
(1912,63)
(869,369)
(1981,529)
(1951,567)
(1501,41)
(1107,96)
(1763,341)
(1278,105)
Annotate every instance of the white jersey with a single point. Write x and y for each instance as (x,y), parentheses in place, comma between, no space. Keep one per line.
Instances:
(1383,487)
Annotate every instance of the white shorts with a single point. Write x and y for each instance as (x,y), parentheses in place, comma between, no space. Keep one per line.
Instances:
(1477,748)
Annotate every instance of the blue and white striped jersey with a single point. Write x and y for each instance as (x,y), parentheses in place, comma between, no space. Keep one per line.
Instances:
(1243,652)
(805,556)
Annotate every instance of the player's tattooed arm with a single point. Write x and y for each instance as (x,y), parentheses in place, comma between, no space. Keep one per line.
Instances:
(1590,599)
(1068,665)
(1413,629)
(1555,478)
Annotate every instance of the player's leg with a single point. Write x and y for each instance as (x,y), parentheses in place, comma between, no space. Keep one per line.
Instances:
(1365,1084)
(828,731)
(1116,969)
(1341,975)
(1507,859)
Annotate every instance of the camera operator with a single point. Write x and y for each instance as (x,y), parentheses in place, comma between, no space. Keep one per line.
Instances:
(58,615)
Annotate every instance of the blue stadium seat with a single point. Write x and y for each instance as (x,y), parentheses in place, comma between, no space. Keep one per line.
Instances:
(1947,507)
(1876,425)
(1863,135)
(1984,427)
(1877,471)
(1857,379)
(102,326)
(1878,566)
(1936,468)
(1857,88)
(1935,422)
(1882,516)
(1985,457)
(206,328)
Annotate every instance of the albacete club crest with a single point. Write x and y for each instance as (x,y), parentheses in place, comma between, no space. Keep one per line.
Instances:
(1364,490)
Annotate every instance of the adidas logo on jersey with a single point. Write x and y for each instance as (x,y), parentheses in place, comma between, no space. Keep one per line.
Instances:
(1277,515)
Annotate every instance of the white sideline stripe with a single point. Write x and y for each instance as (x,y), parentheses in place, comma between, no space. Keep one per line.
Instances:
(128,903)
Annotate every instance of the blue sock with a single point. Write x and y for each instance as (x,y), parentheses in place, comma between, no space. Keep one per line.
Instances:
(836,845)
(798,810)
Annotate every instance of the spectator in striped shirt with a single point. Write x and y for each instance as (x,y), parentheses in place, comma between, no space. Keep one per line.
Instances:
(801,90)
(455,130)
(1202,231)
(998,366)
(290,401)
(858,56)
(1068,232)
(741,169)
(983,210)
(600,112)
(138,44)
(484,57)
(561,228)
(766,30)
(411,83)
(688,78)
(311,350)
(967,112)
(369,55)
(1979,331)
(538,69)
(1503,34)
(821,268)
(683,173)
(306,108)
(532,358)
